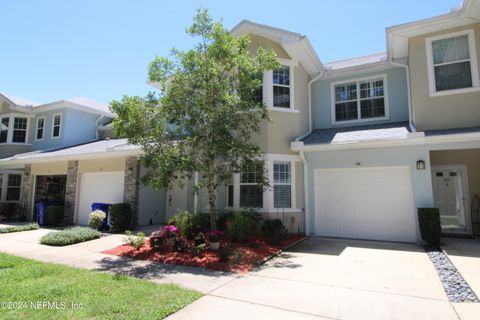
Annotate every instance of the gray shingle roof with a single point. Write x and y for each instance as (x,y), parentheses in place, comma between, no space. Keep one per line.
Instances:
(440,132)
(385,131)
(92,148)
(356,61)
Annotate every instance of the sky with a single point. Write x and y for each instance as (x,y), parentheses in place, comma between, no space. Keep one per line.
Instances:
(100,49)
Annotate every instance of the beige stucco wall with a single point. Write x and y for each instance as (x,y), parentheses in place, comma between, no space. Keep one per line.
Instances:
(4,107)
(276,135)
(102,165)
(468,157)
(447,111)
(50,168)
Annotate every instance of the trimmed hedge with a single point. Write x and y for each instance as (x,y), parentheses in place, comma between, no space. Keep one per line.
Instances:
(429,222)
(54,215)
(69,236)
(19,228)
(120,216)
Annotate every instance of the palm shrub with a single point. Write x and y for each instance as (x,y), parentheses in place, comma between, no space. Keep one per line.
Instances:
(54,215)
(120,215)
(241,227)
(190,224)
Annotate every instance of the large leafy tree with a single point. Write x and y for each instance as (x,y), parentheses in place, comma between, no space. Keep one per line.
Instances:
(206,112)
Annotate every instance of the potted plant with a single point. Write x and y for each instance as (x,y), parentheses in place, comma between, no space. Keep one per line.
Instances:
(214,237)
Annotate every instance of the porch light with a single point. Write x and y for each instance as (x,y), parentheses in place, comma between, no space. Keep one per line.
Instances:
(420,165)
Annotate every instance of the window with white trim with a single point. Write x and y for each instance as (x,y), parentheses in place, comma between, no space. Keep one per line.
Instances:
(251,193)
(40,128)
(4,129)
(360,100)
(19,130)
(57,123)
(282,185)
(14,184)
(452,62)
(281,87)
(230,193)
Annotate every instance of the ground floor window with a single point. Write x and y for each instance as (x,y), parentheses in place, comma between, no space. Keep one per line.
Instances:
(282,185)
(14,184)
(251,193)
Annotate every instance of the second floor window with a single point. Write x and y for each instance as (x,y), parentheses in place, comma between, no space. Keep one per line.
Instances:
(451,62)
(359,100)
(57,124)
(40,128)
(4,129)
(281,87)
(19,130)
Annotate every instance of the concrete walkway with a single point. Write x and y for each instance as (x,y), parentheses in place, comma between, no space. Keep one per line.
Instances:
(88,255)
(318,279)
(465,255)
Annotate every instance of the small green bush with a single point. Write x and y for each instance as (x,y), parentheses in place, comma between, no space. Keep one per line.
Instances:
(190,224)
(120,216)
(429,222)
(241,227)
(69,236)
(24,227)
(96,219)
(135,241)
(54,215)
(223,220)
(274,230)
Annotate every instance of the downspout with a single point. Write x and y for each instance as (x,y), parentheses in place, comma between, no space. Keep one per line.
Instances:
(305,192)
(96,126)
(410,110)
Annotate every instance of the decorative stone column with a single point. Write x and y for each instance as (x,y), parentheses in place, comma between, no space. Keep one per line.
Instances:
(26,190)
(131,187)
(71,192)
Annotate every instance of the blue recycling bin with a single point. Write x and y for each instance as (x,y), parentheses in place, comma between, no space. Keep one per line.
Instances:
(41,208)
(104,207)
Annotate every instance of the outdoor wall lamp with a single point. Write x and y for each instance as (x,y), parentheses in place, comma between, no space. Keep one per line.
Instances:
(420,165)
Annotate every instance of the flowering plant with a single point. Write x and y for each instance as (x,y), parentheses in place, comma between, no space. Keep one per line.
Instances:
(214,235)
(167,232)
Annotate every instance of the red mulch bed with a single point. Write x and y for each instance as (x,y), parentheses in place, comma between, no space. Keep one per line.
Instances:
(244,256)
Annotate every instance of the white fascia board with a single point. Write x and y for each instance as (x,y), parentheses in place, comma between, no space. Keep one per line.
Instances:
(85,156)
(413,140)
(68,104)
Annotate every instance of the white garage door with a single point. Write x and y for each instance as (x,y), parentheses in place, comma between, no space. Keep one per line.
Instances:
(365,203)
(106,187)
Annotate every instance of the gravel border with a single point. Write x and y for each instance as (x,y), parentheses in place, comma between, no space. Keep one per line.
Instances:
(456,288)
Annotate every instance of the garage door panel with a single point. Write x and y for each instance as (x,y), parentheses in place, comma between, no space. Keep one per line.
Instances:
(366,203)
(106,187)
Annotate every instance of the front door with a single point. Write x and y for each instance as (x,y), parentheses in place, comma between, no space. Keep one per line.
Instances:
(450,195)
(176,200)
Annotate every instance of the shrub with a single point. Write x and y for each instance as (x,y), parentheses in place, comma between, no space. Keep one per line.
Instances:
(69,236)
(135,241)
(429,222)
(215,235)
(190,224)
(54,215)
(24,227)
(180,245)
(96,219)
(120,215)
(163,238)
(223,219)
(274,230)
(241,227)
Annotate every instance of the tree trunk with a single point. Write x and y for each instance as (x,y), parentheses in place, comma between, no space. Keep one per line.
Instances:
(211,194)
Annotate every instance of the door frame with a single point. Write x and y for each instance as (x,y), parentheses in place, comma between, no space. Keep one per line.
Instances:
(466,195)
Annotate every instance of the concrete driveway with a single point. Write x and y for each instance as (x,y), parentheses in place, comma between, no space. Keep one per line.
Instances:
(333,279)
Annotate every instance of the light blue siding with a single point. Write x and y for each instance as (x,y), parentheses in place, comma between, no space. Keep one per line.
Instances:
(397,98)
(80,127)
(48,142)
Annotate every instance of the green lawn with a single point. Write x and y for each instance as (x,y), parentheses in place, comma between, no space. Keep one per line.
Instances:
(29,284)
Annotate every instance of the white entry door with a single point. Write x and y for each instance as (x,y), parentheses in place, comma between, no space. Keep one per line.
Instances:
(176,200)
(365,203)
(105,187)
(450,196)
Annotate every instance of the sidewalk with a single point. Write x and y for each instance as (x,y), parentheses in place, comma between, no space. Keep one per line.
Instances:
(88,255)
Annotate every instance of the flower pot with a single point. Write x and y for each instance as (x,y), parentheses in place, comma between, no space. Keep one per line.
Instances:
(214,245)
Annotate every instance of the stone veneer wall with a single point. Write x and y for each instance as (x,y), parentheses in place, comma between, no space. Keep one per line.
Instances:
(131,187)
(26,188)
(71,192)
